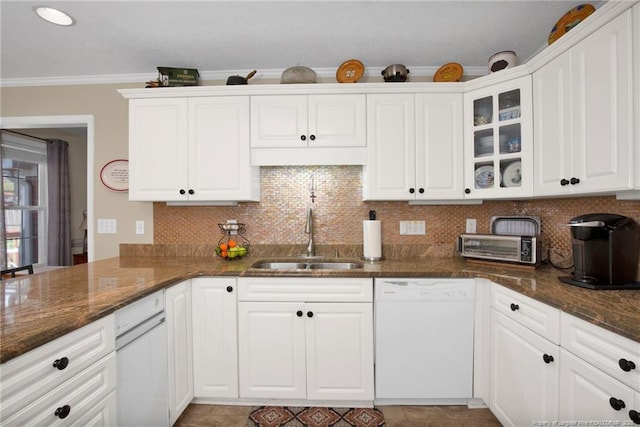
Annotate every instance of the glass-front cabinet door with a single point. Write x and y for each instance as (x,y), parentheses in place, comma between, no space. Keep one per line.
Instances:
(498,141)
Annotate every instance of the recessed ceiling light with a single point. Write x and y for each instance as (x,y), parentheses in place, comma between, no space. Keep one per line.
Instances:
(54,16)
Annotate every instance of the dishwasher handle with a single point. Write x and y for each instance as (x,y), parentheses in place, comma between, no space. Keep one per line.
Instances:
(139,330)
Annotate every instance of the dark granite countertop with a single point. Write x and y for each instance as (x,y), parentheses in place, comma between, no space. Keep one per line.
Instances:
(39,308)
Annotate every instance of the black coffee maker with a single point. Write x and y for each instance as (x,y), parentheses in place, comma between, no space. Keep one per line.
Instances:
(605,252)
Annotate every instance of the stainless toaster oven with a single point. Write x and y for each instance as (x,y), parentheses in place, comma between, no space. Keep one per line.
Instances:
(518,249)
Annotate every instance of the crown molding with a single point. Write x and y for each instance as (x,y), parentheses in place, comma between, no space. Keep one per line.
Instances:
(219,75)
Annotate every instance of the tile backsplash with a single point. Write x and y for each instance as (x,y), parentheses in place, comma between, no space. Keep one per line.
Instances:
(339,211)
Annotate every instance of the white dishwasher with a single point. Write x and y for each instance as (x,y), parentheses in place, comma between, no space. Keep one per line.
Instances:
(424,340)
(141,357)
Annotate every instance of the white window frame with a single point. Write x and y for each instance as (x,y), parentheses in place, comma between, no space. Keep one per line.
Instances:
(32,150)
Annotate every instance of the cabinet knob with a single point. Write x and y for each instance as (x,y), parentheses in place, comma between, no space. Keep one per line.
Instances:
(63,411)
(564,182)
(635,416)
(626,365)
(421,190)
(299,313)
(309,314)
(303,137)
(514,307)
(547,358)
(191,191)
(312,137)
(61,363)
(412,190)
(574,181)
(616,404)
(229,289)
(467,191)
(182,191)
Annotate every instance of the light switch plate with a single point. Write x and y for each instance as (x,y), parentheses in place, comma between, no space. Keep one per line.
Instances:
(139,227)
(412,228)
(107,226)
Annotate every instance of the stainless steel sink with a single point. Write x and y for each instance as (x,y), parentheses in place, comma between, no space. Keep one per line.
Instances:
(307,265)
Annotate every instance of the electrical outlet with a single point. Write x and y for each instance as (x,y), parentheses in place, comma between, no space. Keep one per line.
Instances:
(107,226)
(139,227)
(471,225)
(412,228)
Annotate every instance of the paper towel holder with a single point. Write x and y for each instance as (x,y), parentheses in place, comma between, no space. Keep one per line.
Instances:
(372,217)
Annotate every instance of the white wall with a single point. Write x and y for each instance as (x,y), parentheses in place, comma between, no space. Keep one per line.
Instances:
(110,113)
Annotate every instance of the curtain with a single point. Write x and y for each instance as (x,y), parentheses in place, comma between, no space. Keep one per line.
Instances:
(3,236)
(59,225)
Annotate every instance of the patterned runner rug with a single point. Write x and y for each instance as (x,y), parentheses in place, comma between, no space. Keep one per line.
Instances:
(283,416)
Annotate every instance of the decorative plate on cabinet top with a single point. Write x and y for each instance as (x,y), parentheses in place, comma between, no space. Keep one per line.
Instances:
(451,72)
(570,20)
(350,71)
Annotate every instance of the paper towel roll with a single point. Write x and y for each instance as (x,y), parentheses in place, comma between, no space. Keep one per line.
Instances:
(372,240)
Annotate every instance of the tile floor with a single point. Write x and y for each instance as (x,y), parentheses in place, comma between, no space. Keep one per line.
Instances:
(395,416)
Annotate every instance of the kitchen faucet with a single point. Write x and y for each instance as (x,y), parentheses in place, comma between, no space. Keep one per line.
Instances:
(308,229)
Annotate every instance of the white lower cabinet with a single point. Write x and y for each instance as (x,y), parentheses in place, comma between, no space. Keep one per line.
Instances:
(599,378)
(524,364)
(587,393)
(524,374)
(297,348)
(215,348)
(69,381)
(180,357)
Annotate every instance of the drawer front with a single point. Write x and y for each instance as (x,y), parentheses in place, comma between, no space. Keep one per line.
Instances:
(586,393)
(305,289)
(104,414)
(534,315)
(33,374)
(77,397)
(616,355)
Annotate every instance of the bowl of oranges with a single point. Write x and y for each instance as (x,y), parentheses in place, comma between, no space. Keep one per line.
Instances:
(231,250)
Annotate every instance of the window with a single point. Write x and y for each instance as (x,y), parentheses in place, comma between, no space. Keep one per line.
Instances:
(24,182)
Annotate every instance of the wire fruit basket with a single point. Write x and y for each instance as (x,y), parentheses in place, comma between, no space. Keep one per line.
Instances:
(232,244)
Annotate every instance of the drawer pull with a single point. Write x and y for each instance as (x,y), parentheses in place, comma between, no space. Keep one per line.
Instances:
(547,358)
(63,411)
(635,416)
(299,313)
(626,365)
(229,289)
(616,404)
(61,363)
(514,307)
(309,314)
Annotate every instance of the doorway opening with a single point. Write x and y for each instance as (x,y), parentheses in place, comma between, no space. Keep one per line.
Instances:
(35,126)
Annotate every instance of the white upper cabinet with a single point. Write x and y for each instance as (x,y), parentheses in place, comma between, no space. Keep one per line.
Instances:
(414,147)
(191,149)
(499,141)
(583,108)
(308,129)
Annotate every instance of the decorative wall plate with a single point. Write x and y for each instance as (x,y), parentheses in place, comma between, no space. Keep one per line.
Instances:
(115,175)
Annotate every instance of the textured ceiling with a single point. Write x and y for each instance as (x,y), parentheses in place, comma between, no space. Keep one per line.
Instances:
(118,39)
